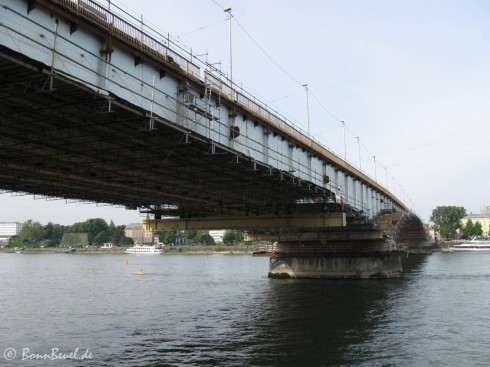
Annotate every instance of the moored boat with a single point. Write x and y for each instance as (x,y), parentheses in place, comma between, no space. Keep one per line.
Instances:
(474,245)
(144,249)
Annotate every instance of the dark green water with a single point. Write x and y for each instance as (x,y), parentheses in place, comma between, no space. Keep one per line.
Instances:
(222,310)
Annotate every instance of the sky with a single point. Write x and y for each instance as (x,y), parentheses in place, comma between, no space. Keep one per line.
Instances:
(409,78)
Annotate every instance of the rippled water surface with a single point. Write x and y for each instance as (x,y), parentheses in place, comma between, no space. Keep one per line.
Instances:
(222,310)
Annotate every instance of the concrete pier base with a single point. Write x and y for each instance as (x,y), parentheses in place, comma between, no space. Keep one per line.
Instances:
(336,267)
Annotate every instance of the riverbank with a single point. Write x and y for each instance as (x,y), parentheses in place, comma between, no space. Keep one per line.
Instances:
(192,250)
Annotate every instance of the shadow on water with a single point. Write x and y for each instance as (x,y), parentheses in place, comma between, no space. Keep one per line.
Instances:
(317,322)
(413,263)
(279,323)
(313,322)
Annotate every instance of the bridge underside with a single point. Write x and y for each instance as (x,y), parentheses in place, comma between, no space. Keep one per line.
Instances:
(88,140)
(60,138)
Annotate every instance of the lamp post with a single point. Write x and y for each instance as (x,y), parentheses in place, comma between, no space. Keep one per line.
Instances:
(307,107)
(345,146)
(230,58)
(375,178)
(359,146)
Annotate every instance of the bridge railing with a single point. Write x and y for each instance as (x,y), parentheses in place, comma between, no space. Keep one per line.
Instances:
(121,23)
(142,37)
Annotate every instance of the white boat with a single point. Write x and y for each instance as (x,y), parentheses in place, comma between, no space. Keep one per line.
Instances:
(144,249)
(474,245)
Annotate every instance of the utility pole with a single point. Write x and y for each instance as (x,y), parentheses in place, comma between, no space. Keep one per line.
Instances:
(230,54)
(375,178)
(345,146)
(307,107)
(359,146)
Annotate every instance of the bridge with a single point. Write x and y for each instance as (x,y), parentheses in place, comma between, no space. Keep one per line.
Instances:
(97,106)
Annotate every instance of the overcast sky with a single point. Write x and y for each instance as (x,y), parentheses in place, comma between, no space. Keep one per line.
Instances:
(410,78)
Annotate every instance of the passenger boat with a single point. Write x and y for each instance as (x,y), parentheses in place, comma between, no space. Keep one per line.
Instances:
(474,245)
(144,249)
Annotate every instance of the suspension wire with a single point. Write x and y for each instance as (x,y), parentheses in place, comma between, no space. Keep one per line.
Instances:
(284,97)
(324,108)
(266,54)
(201,28)
(218,4)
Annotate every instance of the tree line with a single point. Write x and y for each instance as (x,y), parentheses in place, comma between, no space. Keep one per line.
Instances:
(34,234)
(447,221)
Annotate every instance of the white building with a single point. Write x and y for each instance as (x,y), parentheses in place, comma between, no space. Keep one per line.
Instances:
(217,235)
(9,229)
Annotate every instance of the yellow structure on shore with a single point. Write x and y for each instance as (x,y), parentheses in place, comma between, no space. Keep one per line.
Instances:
(483,218)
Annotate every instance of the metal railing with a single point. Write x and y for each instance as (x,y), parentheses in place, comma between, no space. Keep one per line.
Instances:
(137,33)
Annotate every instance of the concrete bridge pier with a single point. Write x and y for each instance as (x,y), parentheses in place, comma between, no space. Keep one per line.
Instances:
(331,262)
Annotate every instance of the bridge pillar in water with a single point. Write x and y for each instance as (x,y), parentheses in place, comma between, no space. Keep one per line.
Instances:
(336,261)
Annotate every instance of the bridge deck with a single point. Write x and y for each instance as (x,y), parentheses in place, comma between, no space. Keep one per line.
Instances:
(94,109)
(69,141)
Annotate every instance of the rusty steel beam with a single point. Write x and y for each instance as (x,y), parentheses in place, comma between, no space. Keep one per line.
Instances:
(315,236)
(244,223)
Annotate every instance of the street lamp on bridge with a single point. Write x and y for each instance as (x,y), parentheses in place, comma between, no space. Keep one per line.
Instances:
(230,67)
(359,146)
(307,107)
(345,146)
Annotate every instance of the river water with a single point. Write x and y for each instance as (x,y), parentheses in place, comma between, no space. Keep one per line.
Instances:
(222,310)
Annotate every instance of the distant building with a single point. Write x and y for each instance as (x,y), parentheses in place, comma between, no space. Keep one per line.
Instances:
(483,218)
(485,210)
(9,229)
(217,235)
(136,232)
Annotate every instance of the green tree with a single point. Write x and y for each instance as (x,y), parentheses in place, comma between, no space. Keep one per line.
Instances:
(54,232)
(49,243)
(15,241)
(31,233)
(169,238)
(117,234)
(204,237)
(448,218)
(190,234)
(232,237)
(477,229)
(469,229)
(91,226)
(126,241)
(102,237)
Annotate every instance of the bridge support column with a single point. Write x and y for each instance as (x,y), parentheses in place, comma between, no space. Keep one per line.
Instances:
(336,266)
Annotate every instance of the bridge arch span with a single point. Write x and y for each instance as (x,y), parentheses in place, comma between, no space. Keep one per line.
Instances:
(406,228)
